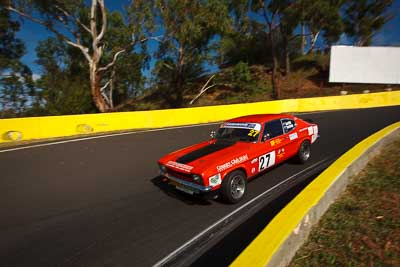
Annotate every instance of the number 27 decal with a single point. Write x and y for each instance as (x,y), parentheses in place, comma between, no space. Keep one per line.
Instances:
(266,161)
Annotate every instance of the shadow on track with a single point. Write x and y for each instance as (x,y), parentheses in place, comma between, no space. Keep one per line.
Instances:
(238,239)
(170,191)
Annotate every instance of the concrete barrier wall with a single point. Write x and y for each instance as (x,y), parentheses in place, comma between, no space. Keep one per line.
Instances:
(60,126)
(278,242)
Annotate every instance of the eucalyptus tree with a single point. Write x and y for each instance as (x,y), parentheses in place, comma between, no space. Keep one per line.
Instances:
(269,14)
(15,77)
(322,18)
(63,87)
(190,27)
(245,39)
(84,25)
(280,20)
(317,19)
(364,18)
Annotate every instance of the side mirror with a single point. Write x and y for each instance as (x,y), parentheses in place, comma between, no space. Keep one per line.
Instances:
(213,134)
(265,137)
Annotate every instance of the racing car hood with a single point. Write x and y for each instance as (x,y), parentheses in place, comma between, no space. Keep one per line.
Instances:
(207,158)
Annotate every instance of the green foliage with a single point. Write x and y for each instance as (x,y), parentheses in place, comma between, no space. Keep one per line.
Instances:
(235,34)
(323,16)
(251,46)
(242,82)
(241,73)
(313,61)
(14,94)
(363,18)
(189,27)
(11,48)
(63,87)
(63,95)
(15,78)
(128,79)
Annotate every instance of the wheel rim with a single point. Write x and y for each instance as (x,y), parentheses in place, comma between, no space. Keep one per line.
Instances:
(237,187)
(305,151)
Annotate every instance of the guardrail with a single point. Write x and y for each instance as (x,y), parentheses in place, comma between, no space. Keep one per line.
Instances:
(278,242)
(61,126)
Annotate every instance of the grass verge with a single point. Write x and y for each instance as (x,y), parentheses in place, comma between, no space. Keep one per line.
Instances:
(362,228)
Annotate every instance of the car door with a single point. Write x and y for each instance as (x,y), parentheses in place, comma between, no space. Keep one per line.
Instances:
(273,145)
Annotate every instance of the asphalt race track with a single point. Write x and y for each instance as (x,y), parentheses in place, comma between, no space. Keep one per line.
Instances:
(99,202)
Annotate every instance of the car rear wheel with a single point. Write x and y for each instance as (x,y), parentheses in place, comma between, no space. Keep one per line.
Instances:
(233,187)
(304,152)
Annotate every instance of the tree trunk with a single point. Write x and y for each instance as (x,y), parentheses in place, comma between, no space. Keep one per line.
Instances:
(287,56)
(275,82)
(98,99)
(179,81)
(303,39)
(179,92)
(275,65)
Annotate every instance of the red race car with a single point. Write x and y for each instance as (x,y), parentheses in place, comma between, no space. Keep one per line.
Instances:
(240,149)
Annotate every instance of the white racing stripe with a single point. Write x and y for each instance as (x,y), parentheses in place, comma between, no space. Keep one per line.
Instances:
(104,136)
(188,243)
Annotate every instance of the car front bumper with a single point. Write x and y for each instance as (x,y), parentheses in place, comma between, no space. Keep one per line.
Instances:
(204,192)
(188,186)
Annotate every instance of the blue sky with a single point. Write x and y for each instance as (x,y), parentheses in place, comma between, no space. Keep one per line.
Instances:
(32,33)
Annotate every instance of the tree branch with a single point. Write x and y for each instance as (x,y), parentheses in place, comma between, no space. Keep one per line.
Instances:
(298,35)
(103,94)
(313,42)
(77,21)
(84,50)
(104,87)
(203,89)
(51,28)
(104,20)
(112,88)
(93,26)
(112,63)
(117,54)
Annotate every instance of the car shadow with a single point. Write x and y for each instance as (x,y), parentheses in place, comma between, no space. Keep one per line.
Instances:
(293,161)
(170,191)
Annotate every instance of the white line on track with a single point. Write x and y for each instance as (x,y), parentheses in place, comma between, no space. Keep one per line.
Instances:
(104,136)
(188,243)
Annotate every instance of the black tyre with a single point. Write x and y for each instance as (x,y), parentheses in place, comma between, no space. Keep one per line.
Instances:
(233,187)
(304,152)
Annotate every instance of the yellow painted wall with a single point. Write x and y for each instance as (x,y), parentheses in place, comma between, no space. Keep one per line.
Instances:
(266,244)
(59,126)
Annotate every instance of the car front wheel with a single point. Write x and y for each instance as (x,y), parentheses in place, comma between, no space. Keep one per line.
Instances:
(304,152)
(233,187)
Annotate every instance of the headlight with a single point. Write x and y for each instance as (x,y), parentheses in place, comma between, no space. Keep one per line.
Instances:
(197,179)
(163,169)
(215,180)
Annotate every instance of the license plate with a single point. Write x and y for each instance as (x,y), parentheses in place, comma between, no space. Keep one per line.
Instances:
(182,188)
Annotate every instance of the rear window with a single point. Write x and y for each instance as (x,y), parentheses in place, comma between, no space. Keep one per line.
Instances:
(288,125)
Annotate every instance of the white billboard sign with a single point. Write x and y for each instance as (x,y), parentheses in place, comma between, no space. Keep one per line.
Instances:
(350,64)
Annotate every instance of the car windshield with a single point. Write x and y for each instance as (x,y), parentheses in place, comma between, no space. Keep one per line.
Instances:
(246,132)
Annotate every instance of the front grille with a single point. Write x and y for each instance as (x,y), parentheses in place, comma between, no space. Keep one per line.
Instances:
(180,175)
